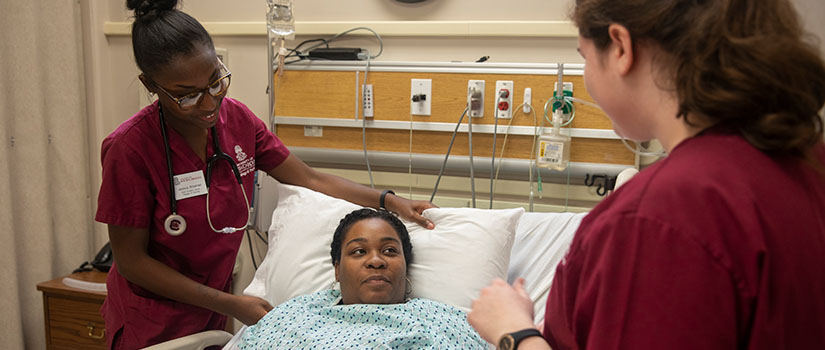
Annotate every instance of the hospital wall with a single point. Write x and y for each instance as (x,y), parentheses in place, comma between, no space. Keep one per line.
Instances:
(113,87)
(112,76)
(114,90)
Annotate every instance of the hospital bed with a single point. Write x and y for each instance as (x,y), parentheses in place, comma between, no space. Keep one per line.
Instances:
(509,244)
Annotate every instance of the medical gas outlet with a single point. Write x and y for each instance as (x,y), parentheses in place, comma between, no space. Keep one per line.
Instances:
(504,99)
(475,98)
(566,107)
(421,96)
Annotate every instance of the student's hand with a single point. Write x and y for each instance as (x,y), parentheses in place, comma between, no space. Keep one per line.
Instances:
(410,209)
(500,309)
(249,309)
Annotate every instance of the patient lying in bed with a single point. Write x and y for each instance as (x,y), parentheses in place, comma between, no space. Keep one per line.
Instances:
(370,253)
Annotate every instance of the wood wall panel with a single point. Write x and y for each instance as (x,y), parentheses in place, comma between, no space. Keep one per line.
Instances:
(320,94)
(331,94)
(429,142)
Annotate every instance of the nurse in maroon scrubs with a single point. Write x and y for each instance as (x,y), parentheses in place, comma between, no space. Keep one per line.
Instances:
(177,179)
(721,244)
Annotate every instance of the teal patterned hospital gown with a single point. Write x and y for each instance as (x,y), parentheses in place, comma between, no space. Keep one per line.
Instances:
(316,321)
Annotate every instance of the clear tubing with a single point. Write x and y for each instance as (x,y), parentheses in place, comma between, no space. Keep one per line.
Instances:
(447,156)
(364,123)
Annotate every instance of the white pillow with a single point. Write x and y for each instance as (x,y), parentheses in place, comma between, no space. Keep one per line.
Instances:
(542,240)
(465,251)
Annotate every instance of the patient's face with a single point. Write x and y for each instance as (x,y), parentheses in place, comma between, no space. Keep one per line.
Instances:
(372,268)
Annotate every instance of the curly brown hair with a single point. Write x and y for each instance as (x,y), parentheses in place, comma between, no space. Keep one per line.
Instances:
(746,65)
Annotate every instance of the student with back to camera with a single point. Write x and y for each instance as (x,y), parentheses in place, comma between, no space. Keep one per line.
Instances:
(721,244)
(176,181)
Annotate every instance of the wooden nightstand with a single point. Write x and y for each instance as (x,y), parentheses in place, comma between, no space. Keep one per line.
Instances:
(72,315)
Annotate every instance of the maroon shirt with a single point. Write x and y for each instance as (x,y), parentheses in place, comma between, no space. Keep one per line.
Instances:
(135,193)
(717,246)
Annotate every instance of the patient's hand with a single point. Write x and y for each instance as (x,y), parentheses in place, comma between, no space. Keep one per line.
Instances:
(500,309)
(410,210)
(249,309)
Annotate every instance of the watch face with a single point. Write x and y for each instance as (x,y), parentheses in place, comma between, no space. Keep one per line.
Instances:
(506,342)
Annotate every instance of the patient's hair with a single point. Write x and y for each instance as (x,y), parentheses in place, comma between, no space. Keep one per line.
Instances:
(366,213)
(162,33)
(746,65)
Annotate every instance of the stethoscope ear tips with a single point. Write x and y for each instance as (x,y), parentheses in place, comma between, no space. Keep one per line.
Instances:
(174,224)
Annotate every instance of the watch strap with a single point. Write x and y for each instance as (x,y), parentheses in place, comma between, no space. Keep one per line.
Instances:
(523,334)
(382,199)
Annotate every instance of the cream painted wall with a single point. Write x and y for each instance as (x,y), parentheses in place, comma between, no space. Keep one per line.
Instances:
(812,13)
(349,10)
(247,56)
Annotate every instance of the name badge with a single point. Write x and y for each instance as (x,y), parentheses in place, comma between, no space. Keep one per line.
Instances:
(190,185)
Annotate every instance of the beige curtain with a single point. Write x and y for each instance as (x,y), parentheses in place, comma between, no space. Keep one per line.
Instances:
(45,206)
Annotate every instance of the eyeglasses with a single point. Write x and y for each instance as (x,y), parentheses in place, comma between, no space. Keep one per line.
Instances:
(216,89)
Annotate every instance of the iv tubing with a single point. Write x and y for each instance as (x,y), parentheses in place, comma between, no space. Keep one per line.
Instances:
(447,156)
(533,151)
(472,164)
(364,121)
(493,153)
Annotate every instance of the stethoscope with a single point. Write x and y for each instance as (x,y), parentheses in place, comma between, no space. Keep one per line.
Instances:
(176,224)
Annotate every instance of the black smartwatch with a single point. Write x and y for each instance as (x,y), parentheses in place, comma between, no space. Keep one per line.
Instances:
(510,341)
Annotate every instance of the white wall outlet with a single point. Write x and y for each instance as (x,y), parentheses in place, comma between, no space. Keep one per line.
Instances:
(528,100)
(504,99)
(475,98)
(367,101)
(313,131)
(421,96)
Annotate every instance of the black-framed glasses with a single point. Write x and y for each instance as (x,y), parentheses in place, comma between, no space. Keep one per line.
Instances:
(216,89)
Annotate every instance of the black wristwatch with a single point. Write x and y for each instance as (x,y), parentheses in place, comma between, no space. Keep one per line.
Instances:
(382,199)
(510,341)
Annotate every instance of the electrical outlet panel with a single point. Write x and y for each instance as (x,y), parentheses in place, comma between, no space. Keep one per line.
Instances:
(421,96)
(367,101)
(504,99)
(475,98)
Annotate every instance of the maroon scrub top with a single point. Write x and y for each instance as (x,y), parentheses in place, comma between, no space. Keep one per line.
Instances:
(717,246)
(135,193)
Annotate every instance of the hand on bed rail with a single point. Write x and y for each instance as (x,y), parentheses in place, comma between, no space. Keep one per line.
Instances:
(410,210)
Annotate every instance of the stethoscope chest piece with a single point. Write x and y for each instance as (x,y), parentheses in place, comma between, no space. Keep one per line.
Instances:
(174,224)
